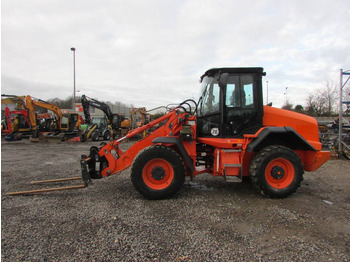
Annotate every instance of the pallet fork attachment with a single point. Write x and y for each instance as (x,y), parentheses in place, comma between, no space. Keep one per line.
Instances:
(85,177)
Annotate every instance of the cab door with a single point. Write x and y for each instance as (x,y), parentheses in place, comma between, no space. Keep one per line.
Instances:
(242,112)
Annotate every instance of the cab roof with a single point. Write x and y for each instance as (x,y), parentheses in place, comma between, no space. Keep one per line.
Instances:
(234,70)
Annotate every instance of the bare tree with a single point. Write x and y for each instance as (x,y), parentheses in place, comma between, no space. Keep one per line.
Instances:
(287,105)
(322,101)
(315,104)
(330,95)
(63,104)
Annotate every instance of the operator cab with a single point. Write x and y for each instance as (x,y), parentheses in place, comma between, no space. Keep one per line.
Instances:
(117,120)
(70,122)
(101,122)
(231,102)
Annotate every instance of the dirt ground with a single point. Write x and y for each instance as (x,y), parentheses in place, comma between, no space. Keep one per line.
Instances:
(209,220)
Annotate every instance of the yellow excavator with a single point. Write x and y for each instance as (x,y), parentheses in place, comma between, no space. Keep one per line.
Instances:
(63,122)
(63,127)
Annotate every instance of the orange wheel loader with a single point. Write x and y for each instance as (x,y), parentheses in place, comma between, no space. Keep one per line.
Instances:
(228,132)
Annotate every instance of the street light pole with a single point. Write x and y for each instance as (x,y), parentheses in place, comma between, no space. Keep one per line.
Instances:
(286,95)
(73,49)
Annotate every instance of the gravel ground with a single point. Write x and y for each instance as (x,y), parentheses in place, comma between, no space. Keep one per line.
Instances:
(209,220)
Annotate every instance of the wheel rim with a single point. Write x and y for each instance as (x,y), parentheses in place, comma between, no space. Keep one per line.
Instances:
(158,174)
(279,173)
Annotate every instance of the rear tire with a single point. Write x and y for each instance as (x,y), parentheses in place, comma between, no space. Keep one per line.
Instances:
(276,171)
(158,172)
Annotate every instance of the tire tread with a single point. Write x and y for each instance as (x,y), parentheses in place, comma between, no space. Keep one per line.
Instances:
(257,174)
(138,164)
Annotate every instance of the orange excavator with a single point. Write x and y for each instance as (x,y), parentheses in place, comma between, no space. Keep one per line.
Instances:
(138,116)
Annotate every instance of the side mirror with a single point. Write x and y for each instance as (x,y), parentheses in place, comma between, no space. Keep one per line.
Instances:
(223,80)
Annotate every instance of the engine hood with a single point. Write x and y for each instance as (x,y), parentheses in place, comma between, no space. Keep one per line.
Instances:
(306,126)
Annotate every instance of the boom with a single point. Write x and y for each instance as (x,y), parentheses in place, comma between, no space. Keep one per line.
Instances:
(87,102)
(43,104)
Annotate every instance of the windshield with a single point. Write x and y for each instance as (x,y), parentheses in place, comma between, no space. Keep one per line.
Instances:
(99,121)
(206,80)
(210,95)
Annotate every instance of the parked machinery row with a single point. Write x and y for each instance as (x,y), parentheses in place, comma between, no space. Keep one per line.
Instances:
(24,120)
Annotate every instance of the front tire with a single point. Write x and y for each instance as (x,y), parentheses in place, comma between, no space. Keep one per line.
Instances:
(158,172)
(95,136)
(107,135)
(276,171)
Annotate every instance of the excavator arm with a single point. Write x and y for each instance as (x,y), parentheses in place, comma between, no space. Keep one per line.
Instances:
(31,103)
(55,109)
(87,102)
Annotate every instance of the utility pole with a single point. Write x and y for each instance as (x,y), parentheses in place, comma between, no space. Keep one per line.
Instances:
(73,49)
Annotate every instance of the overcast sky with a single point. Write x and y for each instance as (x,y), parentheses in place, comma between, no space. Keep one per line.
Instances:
(152,52)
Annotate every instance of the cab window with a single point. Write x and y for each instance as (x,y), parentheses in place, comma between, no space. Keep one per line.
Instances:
(247,82)
(239,92)
(233,94)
